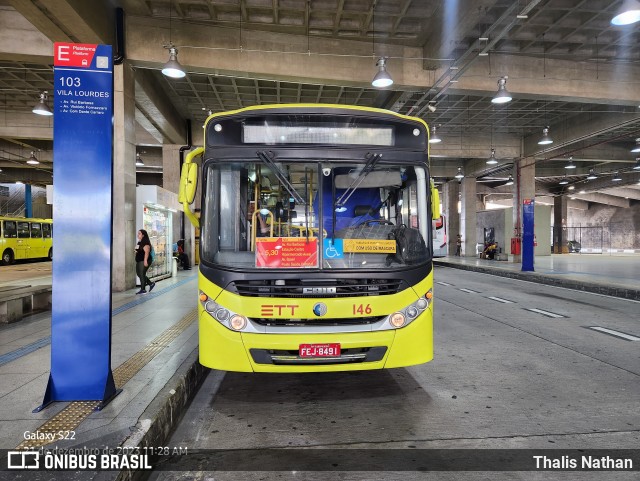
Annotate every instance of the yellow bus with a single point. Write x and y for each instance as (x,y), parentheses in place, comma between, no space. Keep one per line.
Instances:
(315,239)
(25,238)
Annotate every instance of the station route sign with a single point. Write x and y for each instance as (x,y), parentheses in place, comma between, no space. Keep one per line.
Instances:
(287,252)
(82,213)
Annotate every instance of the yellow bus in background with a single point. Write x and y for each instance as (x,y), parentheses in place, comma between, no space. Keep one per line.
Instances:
(25,238)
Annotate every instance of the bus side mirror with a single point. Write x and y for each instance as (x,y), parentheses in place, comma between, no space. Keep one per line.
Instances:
(435,202)
(189,178)
(188,183)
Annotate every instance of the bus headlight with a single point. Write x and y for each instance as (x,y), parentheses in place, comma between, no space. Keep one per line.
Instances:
(224,316)
(238,322)
(408,314)
(397,319)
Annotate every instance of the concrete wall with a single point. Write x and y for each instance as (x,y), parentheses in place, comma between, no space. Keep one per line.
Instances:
(620,226)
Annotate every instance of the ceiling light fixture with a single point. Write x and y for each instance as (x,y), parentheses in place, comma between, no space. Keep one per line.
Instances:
(637,147)
(173,68)
(637,166)
(41,108)
(616,177)
(570,165)
(628,13)
(502,96)
(459,175)
(492,158)
(431,107)
(382,78)
(592,175)
(139,162)
(509,180)
(433,138)
(564,181)
(33,160)
(546,138)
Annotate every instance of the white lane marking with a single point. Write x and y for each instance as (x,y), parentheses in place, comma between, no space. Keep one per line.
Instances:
(443,283)
(499,299)
(622,335)
(545,313)
(469,291)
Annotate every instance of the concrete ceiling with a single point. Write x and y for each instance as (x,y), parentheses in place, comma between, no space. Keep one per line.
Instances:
(567,68)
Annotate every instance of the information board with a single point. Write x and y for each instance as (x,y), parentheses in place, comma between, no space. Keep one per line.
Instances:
(287,252)
(82,169)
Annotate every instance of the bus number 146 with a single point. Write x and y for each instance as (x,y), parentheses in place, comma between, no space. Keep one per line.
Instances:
(361,309)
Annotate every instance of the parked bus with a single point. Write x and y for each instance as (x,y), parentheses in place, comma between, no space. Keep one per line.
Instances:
(440,248)
(25,238)
(315,239)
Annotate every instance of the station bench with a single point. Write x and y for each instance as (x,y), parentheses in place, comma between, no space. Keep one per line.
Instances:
(19,301)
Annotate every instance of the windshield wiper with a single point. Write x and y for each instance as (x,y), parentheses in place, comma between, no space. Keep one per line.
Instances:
(372,160)
(282,178)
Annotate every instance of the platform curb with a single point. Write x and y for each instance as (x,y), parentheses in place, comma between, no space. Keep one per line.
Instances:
(622,292)
(158,421)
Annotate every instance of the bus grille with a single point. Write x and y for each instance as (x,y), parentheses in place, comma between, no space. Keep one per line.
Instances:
(354,321)
(312,288)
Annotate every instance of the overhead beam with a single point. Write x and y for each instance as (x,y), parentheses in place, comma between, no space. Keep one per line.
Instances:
(70,20)
(152,102)
(270,55)
(20,41)
(603,199)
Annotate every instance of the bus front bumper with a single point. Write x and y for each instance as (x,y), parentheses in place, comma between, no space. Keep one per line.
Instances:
(223,349)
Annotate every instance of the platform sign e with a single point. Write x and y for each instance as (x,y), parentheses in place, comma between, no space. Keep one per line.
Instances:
(82,214)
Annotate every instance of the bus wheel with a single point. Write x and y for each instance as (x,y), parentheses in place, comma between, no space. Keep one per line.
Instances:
(50,256)
(7,257)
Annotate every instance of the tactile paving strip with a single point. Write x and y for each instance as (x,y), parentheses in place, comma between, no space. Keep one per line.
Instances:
(70,417)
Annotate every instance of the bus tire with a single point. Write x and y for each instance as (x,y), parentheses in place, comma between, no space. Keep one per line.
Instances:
(50,255)
(7,257)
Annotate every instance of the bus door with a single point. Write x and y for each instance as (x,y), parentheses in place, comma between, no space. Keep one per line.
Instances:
(24,236)
(37,242)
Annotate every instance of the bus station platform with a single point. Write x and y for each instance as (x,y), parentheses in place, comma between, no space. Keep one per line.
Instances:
(611,275)
(155,360)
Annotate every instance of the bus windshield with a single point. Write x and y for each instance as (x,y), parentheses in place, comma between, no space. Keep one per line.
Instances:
(304,214)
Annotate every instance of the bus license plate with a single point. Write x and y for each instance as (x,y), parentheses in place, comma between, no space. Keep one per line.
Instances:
(319,350)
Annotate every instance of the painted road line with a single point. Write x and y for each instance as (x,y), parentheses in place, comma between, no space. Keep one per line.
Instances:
(443,283)
(499,299)
(469,291)
(611,332)
(546,313)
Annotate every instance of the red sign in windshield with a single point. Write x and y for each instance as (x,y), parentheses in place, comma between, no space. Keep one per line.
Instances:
(287,252)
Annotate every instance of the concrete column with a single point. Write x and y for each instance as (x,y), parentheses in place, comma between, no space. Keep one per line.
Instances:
(524,187)
(468,216)
(560,225)
(124,179)
(450,197)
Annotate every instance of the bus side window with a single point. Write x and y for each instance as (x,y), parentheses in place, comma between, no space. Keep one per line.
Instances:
(46,231)
(9,229)
(36,230)
(23,230)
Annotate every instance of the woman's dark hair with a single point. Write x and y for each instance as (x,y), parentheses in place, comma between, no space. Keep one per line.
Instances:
(145,235)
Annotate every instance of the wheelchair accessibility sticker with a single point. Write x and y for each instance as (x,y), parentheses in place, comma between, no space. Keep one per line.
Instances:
(332,248)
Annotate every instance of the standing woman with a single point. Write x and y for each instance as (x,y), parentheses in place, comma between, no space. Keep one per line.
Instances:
(143,250)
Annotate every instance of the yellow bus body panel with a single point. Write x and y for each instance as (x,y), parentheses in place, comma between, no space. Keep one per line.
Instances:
(223,349)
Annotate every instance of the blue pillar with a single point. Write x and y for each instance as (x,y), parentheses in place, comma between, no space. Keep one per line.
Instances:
(527,234)
(28,207)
